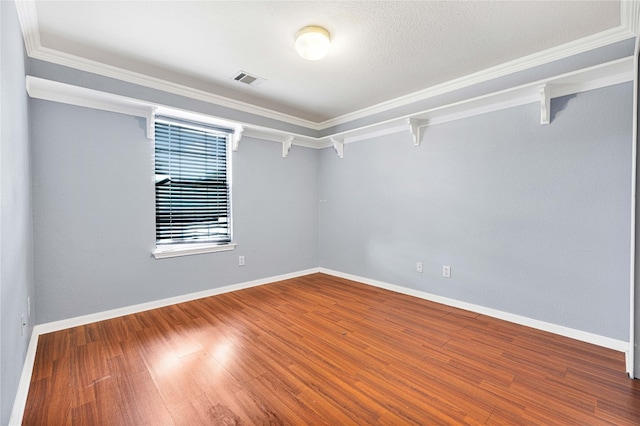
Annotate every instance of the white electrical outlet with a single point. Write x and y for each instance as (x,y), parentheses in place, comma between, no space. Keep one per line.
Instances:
(240,260)
(418,266)
(446,271)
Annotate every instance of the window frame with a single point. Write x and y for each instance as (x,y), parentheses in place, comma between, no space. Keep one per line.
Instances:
(162,251)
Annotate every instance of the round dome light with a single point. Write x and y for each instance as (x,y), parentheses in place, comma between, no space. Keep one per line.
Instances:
(312,43)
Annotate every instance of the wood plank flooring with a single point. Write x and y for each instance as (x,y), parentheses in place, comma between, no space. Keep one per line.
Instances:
(320,350)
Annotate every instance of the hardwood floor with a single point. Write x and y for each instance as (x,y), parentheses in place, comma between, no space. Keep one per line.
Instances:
(320,350)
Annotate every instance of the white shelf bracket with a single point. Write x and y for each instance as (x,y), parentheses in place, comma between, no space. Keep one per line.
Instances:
(338,145)
(286,146)
(151,123)
(235,138)
(416,127)
(545,104)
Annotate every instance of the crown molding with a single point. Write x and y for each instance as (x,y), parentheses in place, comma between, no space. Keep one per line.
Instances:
(28,17)
(592,78)
(541,91)
(40,88)
(72,61)
(629,26)
(630,15)
(27,13)
(520,64)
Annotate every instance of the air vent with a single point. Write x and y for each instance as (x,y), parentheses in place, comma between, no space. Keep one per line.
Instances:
(246,78)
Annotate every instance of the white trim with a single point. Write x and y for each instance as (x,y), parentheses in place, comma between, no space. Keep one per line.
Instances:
(27,370)
(20,402)
(375,131)
(596,77)
(190,116)
(151,123)
(633,231)
(557,53)
(545,104)
(591,78)
(286,145)
(27,15)
(599,76)
(630,15)
(338,145)
(55,91)
(163,252)
(607,342)
(49,90)
(416,127)
(133,309)
(235,138)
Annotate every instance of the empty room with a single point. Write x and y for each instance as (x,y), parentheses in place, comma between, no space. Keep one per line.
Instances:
(319,213)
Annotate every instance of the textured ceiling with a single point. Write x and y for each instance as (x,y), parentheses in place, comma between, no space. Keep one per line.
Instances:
(381,50)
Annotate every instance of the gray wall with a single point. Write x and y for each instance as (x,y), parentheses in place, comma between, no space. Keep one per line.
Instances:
(533,220)
(60,73)
(590,58)
(16,237)
(94,215)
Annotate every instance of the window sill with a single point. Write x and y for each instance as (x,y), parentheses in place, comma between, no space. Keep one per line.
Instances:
(163,252)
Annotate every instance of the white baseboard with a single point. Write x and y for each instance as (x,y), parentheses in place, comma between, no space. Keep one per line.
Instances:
(607,342)
(15,419)
(133,309)
(25,379)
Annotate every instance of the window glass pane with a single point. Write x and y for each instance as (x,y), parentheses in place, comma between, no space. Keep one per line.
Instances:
(192,185)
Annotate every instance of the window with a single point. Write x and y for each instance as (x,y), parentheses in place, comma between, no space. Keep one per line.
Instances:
(193,190)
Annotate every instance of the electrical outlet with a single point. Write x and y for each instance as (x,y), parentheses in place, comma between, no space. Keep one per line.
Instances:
(418,266)
(240,260)
(446,271)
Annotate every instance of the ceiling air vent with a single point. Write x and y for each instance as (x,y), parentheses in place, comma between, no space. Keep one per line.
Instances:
(246,78)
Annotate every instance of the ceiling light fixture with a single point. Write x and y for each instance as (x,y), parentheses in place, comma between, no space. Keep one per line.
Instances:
(312,43)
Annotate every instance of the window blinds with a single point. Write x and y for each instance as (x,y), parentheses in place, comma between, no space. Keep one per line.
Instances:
(193,200)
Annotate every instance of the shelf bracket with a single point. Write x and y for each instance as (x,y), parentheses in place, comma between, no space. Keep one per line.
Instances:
(235,138)
(338,145)
(286,146)
(416,127)
(545,104)
(151,123)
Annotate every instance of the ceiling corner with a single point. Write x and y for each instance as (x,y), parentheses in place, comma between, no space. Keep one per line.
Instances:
(630,16)
(28,17)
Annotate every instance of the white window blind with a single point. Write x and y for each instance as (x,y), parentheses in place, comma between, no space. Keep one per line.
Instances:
(193,193)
